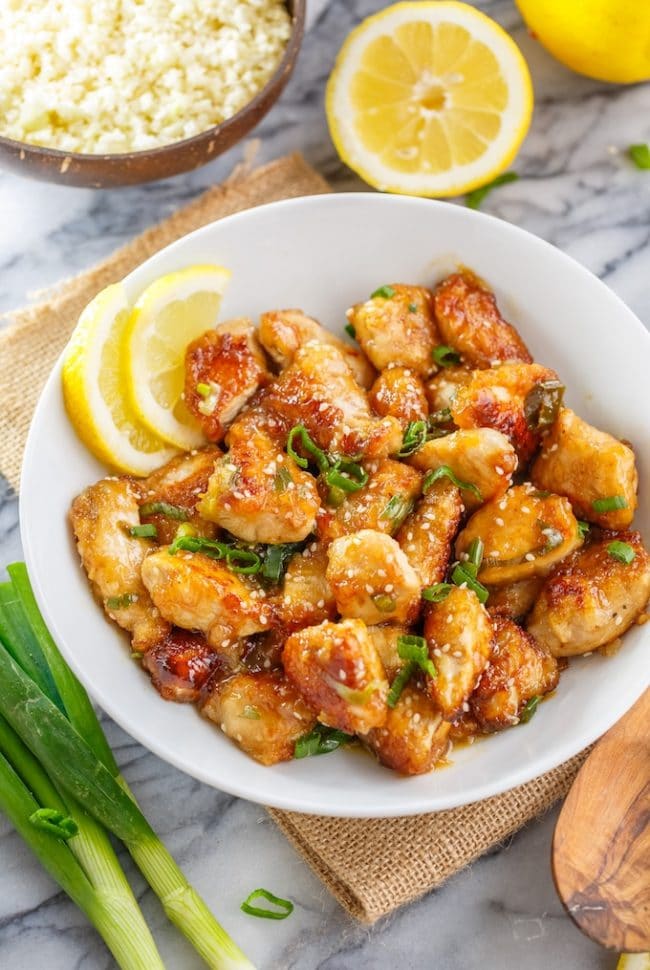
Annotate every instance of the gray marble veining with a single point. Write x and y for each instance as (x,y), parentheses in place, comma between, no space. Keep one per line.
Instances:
(577,190)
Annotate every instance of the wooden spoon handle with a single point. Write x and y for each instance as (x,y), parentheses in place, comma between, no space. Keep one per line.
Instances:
(601,846)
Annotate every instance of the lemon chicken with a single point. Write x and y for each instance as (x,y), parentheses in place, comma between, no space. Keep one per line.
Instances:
(397,540)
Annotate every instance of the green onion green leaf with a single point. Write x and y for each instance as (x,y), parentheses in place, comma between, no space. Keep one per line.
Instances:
(529,709)
(384,291)
(621,551)
(461,575)
(243,561)
(121,602)
(148,531)
(397,509)
(203,390)
(474,199)
(285,905)
(437,593)
(400,682)
(542,404)
(320,457)
(414,437)
(164,508)
(413,308)
(640,155)
(276,560)
(321,740)
(444,471)
(414,648)
(583,529)
(55,822)
(282,479)
(351,332)
(609,504)
(251,713)
(446,356)
(384,602)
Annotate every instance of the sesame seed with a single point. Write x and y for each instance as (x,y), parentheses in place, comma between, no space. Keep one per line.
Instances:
(499,521)
(618,621)
(369,589)
(320,604)
(417,717)
(553,448)
(503,504)
(465,706)
(494,554)
(457,653)
(529,557)
(526,509)
(409,536)
(499,470)
(389,587)
(449,618)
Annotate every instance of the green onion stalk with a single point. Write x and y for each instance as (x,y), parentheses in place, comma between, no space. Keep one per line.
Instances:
(60,729)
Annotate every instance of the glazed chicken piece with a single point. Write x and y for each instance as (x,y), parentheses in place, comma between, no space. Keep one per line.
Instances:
(399,392)
(587,465)
(519,669)
(515,600)
(198,593)
(427,535)
(482,457)
(518,400)
(318,390)
(459,635)
(414,737)
(223,369)
(372,579)
(282,332)
(305,598)
(592,598)
(524,534)
(101,518)
(397,326)
(443,386)
(337,670)
(179,483)
(258,493)
(382,504)
(262,713)
(469,320)
(181,663)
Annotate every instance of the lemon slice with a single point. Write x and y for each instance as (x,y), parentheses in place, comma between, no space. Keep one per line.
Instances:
(172,311)
(429,98)
(634,961)
(94,389)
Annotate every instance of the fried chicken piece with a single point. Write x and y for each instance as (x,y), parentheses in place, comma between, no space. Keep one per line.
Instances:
(524,534)
(305,598)
(515,600)
(591,598)
(459,635)
(519,669)
(399,392)
(585,464)
(198,593)
(505,398)
(262,713)
(414,737)
(179,483)
(372,579)
(397,328)
(101,518)
(224,368)
(482,457)
(318,390)
(258,493)
(469,320)
(337,669)
(282,332)
(382,504)
(427,535)
(181,663)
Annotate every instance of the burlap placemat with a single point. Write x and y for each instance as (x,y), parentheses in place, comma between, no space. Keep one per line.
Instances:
(371,866)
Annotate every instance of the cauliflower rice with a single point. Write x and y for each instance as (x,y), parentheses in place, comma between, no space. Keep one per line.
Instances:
(110,76)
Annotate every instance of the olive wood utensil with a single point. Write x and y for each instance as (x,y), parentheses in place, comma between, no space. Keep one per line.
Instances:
(601,845)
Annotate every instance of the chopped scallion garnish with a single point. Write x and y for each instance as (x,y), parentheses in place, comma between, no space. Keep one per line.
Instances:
(238,560)
(286,906)
(251,713)
(437,593)
(55,822)
(462,576)
(474,199)
(529,709)
(446,356)
(321,740)
(444,471)
(414,648)
(609,504)
(583,528)
(384,602)
(414,437)
(622,551)
(413,308)
(384,291)
(542,404)
(148,531)
(640,155)
(400,682)
(203,390)
(320,457)
(351,332)
(121,602)
(276,560)
(282,479)
(347,475)
(164,508)
(397,509)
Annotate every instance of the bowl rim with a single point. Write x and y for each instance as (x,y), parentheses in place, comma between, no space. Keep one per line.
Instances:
(26,149)
(510,777)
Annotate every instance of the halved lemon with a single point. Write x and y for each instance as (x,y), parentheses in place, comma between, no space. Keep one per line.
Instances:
(429,98)
(634,961)
(95,392)
(172,311)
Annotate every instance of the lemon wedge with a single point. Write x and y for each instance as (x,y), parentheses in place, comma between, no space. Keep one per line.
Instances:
(172,311)
(430,98)
(95,392)
(634,961)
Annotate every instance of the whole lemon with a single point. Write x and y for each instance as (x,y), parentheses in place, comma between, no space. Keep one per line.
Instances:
(605,39)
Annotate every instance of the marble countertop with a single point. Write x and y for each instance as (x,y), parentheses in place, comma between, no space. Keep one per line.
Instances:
(577,190)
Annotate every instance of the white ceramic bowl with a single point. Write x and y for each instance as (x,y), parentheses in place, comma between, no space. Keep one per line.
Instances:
(324,253)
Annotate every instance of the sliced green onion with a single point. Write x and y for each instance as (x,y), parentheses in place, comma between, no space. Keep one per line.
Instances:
(148,531)
(121,602)
(437,593)
(475,554)
(622,551)
(353,695)
(609,504)
(251,713)
(243,561)
(347,475)
(136,655)
(583,529)
(276,560)
(461,576)
(321,740)
(413,308)
(414,648)
(351,332)
(203,390)
(55,822)
(400,682)
(397,509)
(529,709)
(474,199)
(164,508)
(444,471)
(335,497)
(384,602)
(542,404)
(446,356)
(282,479)
(384,291)
(299,431)
(414,437)
(640,155)
(286,906)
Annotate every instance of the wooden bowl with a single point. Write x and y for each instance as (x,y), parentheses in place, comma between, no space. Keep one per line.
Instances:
(131,168)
